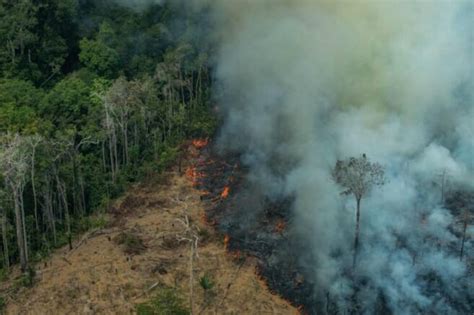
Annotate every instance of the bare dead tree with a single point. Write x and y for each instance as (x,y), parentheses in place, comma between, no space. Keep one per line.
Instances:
(61,147)
(358,176)
(48,206)
(34,142)
(72,149)
(110,138)
(168,74)
(119,108)
(61,187)
(190,235)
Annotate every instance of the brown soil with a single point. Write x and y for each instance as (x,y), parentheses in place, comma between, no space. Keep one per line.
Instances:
(102,275)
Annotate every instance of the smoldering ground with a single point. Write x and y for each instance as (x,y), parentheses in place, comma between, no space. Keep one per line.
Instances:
(304,83)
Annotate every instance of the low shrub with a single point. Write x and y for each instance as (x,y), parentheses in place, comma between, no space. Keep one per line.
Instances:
(167,301)
(132,243)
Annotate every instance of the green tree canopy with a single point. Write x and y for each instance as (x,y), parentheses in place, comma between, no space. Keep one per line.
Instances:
(67,105)
(98,57)
(18,103)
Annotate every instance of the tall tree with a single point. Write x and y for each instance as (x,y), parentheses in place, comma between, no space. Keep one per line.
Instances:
(34,142)
(358,176)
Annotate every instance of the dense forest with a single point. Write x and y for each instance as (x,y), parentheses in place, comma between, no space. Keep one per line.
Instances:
(93,96)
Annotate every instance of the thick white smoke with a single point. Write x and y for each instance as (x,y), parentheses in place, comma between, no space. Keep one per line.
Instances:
(307,82)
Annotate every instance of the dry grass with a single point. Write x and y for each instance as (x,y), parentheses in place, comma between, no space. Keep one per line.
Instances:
(103,276)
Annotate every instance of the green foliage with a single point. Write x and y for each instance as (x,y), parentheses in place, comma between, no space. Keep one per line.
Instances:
(20,93)
(109,92)
(67,104)
(206,282)
(37,37)
(167,301)
(18,101)
(98,221)
(98,57)
(203,124)
(18,119)
(3,274)
(28,278)
(167,157)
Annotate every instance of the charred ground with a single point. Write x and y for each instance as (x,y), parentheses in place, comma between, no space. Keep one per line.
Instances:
(260,227)
(253,225)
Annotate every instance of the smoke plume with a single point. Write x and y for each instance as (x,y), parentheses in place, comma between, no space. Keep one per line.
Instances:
(303,83)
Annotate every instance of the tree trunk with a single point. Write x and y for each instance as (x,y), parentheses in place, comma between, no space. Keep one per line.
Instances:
(19,231)
(62,192)
(116,162)
(198,88)
(6,255)
(181,79)
(356,238)
(33,187)
(83,196)
(50,213)
(104,164)
(112,160)
(22,209)
(125,140)
(74,183)
(191,278)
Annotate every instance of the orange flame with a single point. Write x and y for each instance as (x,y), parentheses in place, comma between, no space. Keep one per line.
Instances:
(205,193)
(280,226)
(193,175)
(225,192)
(226,241)
(200,143)
(190,172)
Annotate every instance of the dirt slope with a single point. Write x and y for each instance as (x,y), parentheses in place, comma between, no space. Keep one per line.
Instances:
(100,277)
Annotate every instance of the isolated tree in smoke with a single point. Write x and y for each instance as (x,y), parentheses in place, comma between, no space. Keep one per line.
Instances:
(357,176)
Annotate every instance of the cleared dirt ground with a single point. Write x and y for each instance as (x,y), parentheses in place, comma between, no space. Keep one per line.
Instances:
(100,276)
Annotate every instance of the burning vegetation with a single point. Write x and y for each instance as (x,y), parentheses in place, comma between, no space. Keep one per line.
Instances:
(221,179)
(280,226)
(200,143)
(265,237)
(225,192)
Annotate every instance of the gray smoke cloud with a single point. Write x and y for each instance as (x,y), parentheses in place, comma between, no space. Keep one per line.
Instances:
(307,82)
